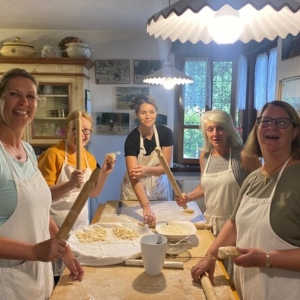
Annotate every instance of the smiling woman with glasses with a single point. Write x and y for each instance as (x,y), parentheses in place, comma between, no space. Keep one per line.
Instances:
(58,166)
(281,123)
(85,131)
(264,226)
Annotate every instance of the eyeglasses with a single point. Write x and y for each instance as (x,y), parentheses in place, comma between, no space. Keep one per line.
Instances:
(85,131)
(281,123)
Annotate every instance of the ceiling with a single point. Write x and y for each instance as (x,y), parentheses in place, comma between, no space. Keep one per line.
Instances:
(102,15)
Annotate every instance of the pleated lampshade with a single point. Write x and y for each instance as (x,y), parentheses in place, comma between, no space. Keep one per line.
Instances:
(197,20)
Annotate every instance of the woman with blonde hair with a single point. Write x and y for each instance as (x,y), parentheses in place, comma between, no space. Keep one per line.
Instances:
(264,226)
(58,166)
(224,166)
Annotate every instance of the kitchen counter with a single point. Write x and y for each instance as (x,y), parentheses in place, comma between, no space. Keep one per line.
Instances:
(131,282)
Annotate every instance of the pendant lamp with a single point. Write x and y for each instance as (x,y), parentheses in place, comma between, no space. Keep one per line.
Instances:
(226,22)
(168,76)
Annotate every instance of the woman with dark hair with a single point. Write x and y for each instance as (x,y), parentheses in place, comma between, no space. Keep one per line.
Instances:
(265,224)
(145,179)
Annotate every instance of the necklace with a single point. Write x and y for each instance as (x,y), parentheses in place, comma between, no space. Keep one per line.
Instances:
(268,174)
(14,153)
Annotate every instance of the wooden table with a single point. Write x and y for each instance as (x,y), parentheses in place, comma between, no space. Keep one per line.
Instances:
(130,282)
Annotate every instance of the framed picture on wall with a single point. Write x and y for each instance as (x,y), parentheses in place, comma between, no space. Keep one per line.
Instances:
(142,68)
(113,123)
(289,91)
(126,95)
(112,71)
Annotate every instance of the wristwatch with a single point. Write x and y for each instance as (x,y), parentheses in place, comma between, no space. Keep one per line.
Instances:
(268,261)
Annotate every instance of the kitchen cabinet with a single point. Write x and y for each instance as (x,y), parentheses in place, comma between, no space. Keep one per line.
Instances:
(62,85)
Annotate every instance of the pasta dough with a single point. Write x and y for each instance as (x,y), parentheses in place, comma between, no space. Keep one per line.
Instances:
(90,236)
(189,210)
(111,157)
(124,233)
(228,251)
(100,234)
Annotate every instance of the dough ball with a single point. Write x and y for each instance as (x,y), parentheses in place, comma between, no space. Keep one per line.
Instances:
(228,251)
(111,157)
(189,210)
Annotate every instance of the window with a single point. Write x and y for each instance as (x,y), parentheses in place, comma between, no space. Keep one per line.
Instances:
(224,78)
(212,88)
(265,78)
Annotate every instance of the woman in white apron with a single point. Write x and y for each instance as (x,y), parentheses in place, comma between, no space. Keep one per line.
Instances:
(25,225)
(145,179)
(58,166)
(265,224)
(224,166)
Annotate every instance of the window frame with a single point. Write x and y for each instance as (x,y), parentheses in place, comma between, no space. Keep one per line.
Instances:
(179,110)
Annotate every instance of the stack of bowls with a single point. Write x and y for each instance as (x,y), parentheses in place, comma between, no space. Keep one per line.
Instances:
(79,50)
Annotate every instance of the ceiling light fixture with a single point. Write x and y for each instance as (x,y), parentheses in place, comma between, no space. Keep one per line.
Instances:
(195,20)
(168,76)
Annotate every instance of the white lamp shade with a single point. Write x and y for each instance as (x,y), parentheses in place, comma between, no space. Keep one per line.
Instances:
(168,76)
(188,20)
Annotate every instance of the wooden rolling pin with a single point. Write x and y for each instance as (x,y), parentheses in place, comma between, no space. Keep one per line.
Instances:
(201,225)
(78,143)
(170,176)
(167,264)
(77,206)
(208,289)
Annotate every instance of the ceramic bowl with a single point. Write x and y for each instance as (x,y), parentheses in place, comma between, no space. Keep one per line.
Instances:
(177,230)
(17,48)
(75,51)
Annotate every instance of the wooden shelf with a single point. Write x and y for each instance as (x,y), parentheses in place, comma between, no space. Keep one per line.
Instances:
(86,62)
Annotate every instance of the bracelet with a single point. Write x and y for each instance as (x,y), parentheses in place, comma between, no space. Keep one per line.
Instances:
(268,261)
(145,204)
(210,255)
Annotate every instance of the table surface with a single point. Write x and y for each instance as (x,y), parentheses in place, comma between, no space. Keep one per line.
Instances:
(131,282)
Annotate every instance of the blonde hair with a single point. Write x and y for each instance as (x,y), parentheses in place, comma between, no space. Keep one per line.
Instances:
(73,116)
(252,146)
(221,118)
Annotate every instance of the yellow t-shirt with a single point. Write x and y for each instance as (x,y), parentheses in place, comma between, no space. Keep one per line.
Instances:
(51,161)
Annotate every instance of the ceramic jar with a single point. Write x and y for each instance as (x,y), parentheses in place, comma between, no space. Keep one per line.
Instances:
(79,50)
(51,51)
(17,48)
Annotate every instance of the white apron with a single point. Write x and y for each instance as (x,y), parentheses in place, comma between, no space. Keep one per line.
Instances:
(155,187)
(220,192)
(26,280)
(61,207)
(254,231)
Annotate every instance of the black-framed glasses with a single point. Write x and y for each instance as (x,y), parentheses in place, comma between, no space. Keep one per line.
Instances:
(85,131)
(281,123)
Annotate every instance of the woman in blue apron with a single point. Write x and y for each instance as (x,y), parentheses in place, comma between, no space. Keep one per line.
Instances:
(145,179)
(25,224)
(266,221)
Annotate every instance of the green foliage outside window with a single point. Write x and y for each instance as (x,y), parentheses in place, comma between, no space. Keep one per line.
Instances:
(195,97)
